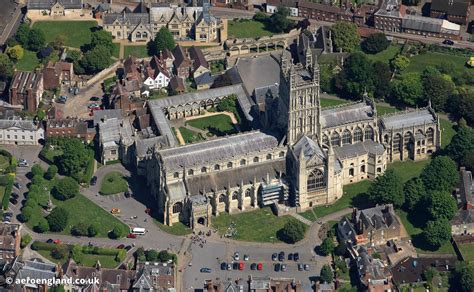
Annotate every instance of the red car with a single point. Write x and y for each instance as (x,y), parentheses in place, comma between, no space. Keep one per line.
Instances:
(241,266)
(121,246)
(260,266)
(131,235)
(57,241)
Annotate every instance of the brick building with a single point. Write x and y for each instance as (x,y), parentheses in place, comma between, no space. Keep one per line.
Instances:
(456,11)
(10,239)
(26,90)
(389,16)
(56,73)
(323,12)
(69,128)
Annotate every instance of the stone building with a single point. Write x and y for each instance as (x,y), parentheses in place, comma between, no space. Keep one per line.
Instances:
(463,221)
(54,7)
(20,132)
(26,89)
(298,155)
(456,11)
(185,23)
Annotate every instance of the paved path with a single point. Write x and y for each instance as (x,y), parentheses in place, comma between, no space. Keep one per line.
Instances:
(301,219)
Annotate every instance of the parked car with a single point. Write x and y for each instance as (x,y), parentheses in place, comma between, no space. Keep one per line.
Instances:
(283,267)
(131,235)
(17,185)
(296,256)
(57,241)
(23,164)
(274,257)
(94,180)
(8,214)
(300,267)
(253,266)
(206,270)
(235,266)
(49,241)
(236,256)
(92,105)
(306,267)
(259,266)
(128,247)
(241,266)
(223,266)
(290,256)
(229,267)
(13,201)
(281,256)
(448,42)
(15,195)
(121,246)
(115,211)
(94,98)
(127,194)
(246,257)
(277,267)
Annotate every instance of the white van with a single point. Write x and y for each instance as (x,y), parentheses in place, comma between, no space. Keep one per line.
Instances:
(138,230)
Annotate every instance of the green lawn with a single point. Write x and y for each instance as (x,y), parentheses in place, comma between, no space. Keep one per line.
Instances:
(247,29)
(116,50)
(113,183)
(467,251)
(81,209)
(386,55)
(408,169)
(4,161)
(260,225)
(76,33)
(383,110)
(88,260)
(419,62)
(218,125)
(328,102)
(137,51)
(29,61)
(177,228)
(190,136)
(447,128)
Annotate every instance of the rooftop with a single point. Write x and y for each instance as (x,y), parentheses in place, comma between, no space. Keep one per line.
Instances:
(452,7)
(47,4)
(408,119)
(360,148)
(345,114)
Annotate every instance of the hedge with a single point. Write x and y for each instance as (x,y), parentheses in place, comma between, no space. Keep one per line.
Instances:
(89,170)
(100,250)
(8,193)
(38,245)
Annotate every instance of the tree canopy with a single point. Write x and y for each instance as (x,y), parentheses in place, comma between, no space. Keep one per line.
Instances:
(326,274)
(96,59)
(6,67)
(356,77)
(441,174)
(327,246)
(66,188)
(461,143)
(438,88)
(382,76)
(463,277)
(345,36)
(442,205)
(102,38)
(57,219)
(36,39)
(400,63)
(375,43)
(437,233)
(163,40)
(279,20)
(15,53)
(75,157)
(387,189)
(293,231)
(408,89)
(414,190)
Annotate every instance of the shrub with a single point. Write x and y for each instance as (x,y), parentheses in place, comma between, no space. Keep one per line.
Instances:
(42,226)
(151,255)
(80,229)
(92,230)
(292,232)
(26,214)
(51,172)
(57,219)
(8,193)
(25,240)
(37,170)
(60,252)
(116,233)
(120,256)
(66,189)
(38,245)
(375,43)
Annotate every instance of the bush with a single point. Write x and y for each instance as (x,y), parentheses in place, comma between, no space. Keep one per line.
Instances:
(37,170)
(25,240)
(8,193)
(60,252)
(26,214)
(327,246)
(57,219)
(151,255)
(120,256)
(164,256)
(375,43)
(38,245)
(80,229)
(42,226)
(140,254)
(66,189)
(92,231)
(292,232)
(51,172)
(116,233)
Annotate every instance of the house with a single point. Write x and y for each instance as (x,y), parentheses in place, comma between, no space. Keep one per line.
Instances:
(156,75)
(225,286)
(176,85)
(10,238)
(373,273)
(182,64)
(166,57)
(323,12)
(153,276)
(20,132)
(56,73)
(100,10)
(389,16)
(410,270)
(374,225)
(69,128)
(463,221)
(54,7)
(26,89)
(35,270)
(204,81)
(200,65)
(292,5)
(324,287)
(431,27)
(456,11)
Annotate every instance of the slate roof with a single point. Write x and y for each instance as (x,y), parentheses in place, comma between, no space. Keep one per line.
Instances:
(410,270)
(408,119)
(451,7)
(180,57)
(360,148)
(203,79)
(21,124)
(222,149)
(36,270)
(463,217)
(143,146)
(382,216)
(309,148)
(422,23)
(346,114)
(124,17)
(46,4)
(466,188)
(198,58)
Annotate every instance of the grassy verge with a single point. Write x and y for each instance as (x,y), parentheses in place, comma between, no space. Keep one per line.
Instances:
(419,62)
(386,55)
(219,124)
(137,51)
(75,33)
(177,228)
(113,183)
(247,29)
(328,102)
(447,132)
(467,251)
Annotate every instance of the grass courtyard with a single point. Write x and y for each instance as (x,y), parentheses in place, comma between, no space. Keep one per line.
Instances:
(29,61)
(76,33)
(247,29)
(218,125)
(260,225)
(113,183)
(136,51)
(190,136)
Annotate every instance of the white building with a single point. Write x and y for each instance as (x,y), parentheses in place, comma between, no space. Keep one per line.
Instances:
(272,9)
(157,78)
(20,132)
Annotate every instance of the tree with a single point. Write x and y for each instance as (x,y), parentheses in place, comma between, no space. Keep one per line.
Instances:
(140,254)
(260,16)
(92,230)
(279,20)
(80,229)
(442,205)
(463,277)
(23,34)
(25,240)
(438,89)
(75,157)
(387,189)
(151,255)
(356,77)
(76,254)
(51,172)
(42,226)
(26,213)
(6,67)
(15,53)
(66,188)
(414,190)
(164,256)
(36,39)
(341,249)
(440,175)
(461,143)
(96,59)
(163,40)
(375,43)
(437,233)
(102,38)
(468,160)
(327,246)
(408,89)
(37,170)
(116,233)
(293,231)
(466,105)
(60,252)
(429,274)
(326,274)
(382,78)
(57,219)
(345,36)
(400,63)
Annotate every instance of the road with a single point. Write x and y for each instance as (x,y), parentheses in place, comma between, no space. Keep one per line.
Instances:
(211,254)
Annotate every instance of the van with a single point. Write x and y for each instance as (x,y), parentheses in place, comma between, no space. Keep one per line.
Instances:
(138,230)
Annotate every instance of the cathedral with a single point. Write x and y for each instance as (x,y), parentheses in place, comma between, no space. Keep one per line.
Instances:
(297,154)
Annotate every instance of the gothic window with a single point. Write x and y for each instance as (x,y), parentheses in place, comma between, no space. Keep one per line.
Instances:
(221,198)
(255,159)
(217,167)
(300,125)
(362,168)
(346,137)
(335,139)
(369,133)
(351,172)
(269,156)
(177,207)
(385,138)
(242,162)
(397,143)
(316,180)
(407,140)
(204,169)
(325,140)
(190,172)
(235,195)
(248,193)
(430,136)
(229,164)
(310,119)
(282,154)
(301,100)
(176,174)
(358,135)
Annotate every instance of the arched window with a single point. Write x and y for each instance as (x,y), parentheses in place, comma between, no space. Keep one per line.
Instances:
(316,180)
(190,172)
(255,159)
(430,136)
(397,146)
(176,174)
(346,137)
(351,172)
(282,154)
(229,164)
(362,168)
(221,198)
(300,124)
(217,167)
(310,119)
(385,138)
(269,156)
(235,196)
(407,140)
(301,100)
(177,207)
(203,169)
(335,139)
(358,135)
(325,140)
(369,133)
(242,162)
(248,193)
